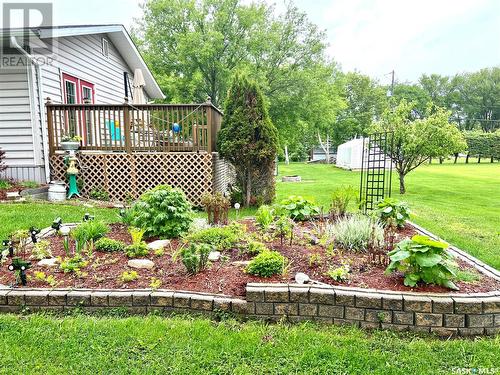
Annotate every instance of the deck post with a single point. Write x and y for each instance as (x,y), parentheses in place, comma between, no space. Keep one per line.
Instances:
(127,127)
(50,127)
(210,127)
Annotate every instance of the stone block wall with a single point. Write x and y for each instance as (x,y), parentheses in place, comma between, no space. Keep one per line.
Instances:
(446,315)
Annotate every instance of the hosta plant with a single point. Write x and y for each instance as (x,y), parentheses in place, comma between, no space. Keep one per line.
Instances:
(299,208)
(390,209)
(264,216)
(423,259)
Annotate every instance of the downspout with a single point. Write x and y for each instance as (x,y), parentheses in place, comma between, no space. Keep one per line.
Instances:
(38,76)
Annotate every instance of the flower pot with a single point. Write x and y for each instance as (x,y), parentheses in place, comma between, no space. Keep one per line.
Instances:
(70,146)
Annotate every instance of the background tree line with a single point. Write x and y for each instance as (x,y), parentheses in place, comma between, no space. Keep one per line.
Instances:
(195,47)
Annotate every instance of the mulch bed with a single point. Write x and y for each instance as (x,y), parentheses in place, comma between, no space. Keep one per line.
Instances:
(104,269)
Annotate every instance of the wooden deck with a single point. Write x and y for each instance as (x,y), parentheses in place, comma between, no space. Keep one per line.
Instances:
(130,128)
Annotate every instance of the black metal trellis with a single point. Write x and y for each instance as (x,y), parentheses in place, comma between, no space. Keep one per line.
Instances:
(376,169)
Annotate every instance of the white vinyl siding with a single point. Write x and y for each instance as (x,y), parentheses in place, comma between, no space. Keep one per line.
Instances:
(81,57)
(16,134)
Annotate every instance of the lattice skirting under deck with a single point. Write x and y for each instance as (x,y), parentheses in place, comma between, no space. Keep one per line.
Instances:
(126,176)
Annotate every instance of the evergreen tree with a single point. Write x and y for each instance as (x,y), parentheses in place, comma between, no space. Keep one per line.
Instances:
(249,140)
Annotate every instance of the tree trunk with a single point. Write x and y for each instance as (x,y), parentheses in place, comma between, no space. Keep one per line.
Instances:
(441,160)
(479,159)
(402,188)
(430,160)
(249,188)
(467,159)
(326,148)
(287,159)
(491,160)
(456,157)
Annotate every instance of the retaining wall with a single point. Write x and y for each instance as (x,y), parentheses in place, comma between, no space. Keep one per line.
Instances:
(445,315)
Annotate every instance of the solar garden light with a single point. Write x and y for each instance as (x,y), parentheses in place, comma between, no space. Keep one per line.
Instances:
(88,217)
(33,232)
(10,245)
(65,230)
(19,266)
(56,224)
(237,208)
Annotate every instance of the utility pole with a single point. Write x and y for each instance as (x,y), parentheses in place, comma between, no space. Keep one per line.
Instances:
(392,82)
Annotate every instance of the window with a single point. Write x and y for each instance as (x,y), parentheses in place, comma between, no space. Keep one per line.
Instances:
(105,47)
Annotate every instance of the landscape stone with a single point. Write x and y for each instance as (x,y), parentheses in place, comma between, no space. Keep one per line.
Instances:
(141,264)
(158,244)
(301,278)
(241,263)
(50,262)
(214,256)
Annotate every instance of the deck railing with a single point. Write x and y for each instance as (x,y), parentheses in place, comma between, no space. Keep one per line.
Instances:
(135,127)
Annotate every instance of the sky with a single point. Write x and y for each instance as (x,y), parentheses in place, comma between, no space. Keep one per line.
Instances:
(411,37)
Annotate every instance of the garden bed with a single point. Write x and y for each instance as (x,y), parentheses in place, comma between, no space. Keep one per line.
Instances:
(227,275)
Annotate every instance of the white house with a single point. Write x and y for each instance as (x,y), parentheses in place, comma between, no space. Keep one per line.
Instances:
(88,64)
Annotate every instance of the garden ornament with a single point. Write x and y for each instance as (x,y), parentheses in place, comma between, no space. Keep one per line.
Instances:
(302,278)
(72,172)
(19,266)
(8,244)
(56,224)
(88,217)
(33,232)
(176,127)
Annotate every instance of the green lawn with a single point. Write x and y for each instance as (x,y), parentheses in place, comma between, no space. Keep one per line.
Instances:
(460,203)
(183,345)
(24,215)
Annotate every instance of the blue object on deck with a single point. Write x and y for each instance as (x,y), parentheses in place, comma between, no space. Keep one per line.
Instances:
(114,131)
(176,127)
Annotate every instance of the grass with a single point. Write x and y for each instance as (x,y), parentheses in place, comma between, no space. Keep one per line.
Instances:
(79,344)
(14,216)
(458,202)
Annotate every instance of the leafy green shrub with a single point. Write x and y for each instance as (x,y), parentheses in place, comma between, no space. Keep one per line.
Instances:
(355,232)
(4,184)
(391,209)
(299,208)
(221,238)
(99,194)
(128,276)
(264,216)
(195,256)
(340,273)
(267,264)
(72,264)
(41,250)
(255,247)
(162,211)
(341,198)
(137,250)
(29,184)
(89,231)
(108,245)
(284,228)
(423,259)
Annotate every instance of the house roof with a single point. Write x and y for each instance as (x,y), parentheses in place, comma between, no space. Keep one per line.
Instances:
(121,39)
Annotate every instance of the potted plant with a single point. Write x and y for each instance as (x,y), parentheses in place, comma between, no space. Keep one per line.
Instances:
(70,142)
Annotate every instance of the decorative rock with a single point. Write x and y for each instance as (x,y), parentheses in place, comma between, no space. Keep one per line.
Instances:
(88,205)
(11,195)
(214,256)
(140,263)
(50,262)
(301,278)
(118,205)
(291,179)
(242,263)
(314,240)
(158,244)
